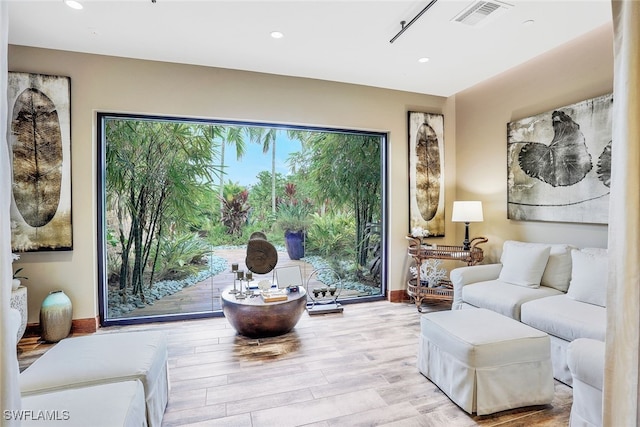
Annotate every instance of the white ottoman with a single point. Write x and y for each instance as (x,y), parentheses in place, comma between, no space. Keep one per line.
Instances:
(118,404)
(105,358)
(485,362)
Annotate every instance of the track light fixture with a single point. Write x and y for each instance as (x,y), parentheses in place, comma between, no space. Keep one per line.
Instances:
(405,26)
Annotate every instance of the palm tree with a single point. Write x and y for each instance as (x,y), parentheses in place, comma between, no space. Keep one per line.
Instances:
(267,137)
(231,135)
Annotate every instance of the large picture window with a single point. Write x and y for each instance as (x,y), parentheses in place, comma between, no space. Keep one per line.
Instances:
(180,199)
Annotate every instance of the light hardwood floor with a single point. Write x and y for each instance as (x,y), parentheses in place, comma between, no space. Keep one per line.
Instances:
(357,368)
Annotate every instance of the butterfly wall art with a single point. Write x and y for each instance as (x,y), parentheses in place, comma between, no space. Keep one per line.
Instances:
(559,164)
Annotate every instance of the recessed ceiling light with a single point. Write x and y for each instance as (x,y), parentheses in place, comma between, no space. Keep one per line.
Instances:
(528,22)
(73,4)
(277,34)
(423,60)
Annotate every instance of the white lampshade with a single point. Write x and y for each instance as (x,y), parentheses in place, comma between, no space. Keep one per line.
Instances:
(467,211)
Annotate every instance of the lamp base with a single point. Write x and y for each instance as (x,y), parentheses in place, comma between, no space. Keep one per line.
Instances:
(466,244)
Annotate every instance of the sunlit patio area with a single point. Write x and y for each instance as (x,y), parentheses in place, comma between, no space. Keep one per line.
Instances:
(204,296)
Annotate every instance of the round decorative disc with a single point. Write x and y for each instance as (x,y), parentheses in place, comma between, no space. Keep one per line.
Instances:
(262,256)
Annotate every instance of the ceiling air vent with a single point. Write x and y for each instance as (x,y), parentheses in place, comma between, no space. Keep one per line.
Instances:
(480,12)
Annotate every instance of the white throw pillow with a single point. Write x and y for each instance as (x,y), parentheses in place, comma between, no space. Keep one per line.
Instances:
(523,264)
(589,275)
(557,273)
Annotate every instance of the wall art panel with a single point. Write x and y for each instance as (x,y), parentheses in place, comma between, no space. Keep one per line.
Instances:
(39,137)
(426,172)
(559,164)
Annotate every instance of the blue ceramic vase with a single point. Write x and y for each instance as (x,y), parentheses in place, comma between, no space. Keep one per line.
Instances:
(294,242)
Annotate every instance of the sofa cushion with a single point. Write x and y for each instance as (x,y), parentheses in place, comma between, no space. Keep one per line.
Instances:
(503,298)
(589,274)
(557,273)
(523,263)
(565,318)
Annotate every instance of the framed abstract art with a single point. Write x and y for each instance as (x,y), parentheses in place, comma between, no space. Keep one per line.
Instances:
(39,137)
(559,164)
(426,172)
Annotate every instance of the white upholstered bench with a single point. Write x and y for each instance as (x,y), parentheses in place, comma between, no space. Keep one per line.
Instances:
(485,362)
(105,358)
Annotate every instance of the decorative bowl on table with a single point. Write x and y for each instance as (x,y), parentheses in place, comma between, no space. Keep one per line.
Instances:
(264,285)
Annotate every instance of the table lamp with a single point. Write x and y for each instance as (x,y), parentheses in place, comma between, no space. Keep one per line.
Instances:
(467,211)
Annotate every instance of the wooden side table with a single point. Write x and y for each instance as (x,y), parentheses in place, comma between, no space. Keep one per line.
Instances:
(444,290)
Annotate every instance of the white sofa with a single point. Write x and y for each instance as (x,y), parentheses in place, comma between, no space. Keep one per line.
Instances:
(586,362)
(555,288)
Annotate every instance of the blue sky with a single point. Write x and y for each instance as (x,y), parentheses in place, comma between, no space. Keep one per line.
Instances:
(255,161)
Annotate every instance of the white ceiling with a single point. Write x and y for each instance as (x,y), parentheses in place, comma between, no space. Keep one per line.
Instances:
(344,41)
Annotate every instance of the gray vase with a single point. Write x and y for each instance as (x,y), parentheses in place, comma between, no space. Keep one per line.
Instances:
(55,316)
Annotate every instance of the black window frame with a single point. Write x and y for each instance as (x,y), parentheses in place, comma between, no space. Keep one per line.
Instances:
(101,205)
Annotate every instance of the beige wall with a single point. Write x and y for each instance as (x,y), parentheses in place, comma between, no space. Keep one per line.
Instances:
(100,83)
(579,70)
(475,139)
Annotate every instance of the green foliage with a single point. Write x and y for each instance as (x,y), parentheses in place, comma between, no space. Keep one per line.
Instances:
(332,235)
(159,176)
(373,240)
(206,211)
(180,256)
(218,236)
(16,274)
(346,168)
(346,171)
(230,190)
(293,214)
(114,261)
(260,196)
(160,182)
(111,239)
(234,137)
(267,138)
(234,212)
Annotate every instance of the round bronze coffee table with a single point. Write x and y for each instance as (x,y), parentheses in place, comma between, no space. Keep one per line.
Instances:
(254,318)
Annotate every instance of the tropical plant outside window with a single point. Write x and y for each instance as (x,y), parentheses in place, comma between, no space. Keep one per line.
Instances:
(182,197)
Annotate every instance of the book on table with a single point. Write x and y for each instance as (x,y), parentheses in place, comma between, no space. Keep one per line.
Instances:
(274,295)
